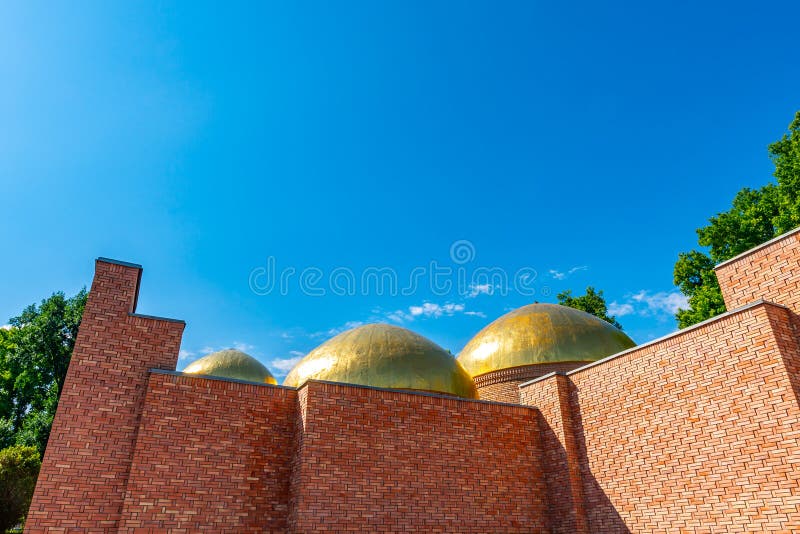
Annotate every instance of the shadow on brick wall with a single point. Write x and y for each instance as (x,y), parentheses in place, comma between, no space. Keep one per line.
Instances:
(791,357)
(599,512)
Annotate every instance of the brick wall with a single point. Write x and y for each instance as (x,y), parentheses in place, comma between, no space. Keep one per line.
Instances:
(697,432)
(551,396)
(211,455)
(503,385)
(770,272)
(85,467)
(375,460)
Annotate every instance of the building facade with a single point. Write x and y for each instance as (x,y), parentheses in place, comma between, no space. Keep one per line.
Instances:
(695,432)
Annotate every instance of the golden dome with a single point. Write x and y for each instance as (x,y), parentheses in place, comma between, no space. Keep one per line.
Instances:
(384,356)
(542,333)
(231,363)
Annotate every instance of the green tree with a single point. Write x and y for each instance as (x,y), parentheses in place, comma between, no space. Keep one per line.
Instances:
(19,467)
(785,155)
(592,302)
(694,275)
(755,216)
(34,357)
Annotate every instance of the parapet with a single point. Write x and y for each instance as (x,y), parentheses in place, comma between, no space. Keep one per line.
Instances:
(770,271)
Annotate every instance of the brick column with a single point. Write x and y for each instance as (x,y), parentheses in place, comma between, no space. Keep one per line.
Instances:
(81,485)
(553,395)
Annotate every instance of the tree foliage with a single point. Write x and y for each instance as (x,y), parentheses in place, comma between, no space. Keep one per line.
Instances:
(755,216)
(591,302)
(34,356)
(19,467)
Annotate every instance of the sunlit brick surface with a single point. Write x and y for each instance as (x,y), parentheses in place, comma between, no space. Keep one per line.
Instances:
(770,272)
(374,460)
(82,482)
(213,455)
(698,433)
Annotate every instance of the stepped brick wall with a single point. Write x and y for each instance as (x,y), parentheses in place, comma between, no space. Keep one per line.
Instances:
(696,432)
(85,468)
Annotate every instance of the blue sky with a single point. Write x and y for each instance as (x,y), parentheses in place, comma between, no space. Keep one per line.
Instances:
(581,144)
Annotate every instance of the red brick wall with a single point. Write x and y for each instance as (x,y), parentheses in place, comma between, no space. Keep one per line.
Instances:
(770,272)
(503,385)
(211,455)
(562,469)
(85,467)
(697,432)
(694,433)
(375,460)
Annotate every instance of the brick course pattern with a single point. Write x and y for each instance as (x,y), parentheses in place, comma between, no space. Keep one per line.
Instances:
(85,467)
(769,272)
(565,491)
(503,385)
(384,461)
(698,432)
(211,455)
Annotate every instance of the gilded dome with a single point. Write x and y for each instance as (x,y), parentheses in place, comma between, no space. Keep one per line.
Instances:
(231,363)
(386,356)
(542,333)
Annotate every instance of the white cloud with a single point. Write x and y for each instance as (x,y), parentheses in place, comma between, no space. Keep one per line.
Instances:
(336,330)
(430,309)
(208,349)
(426,310)
(480,289)
(6,327)
(645,303)
(243,347)
(399,316)
(661,302)
(349,325)
(281,366)
(620,310)
(561,275)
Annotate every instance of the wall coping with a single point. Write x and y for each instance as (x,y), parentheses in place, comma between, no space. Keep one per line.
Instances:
(344,384)
(136,293)
(218,378)
(413,392)
(156,318)
(759,302)
(119,262)
(543,377)
(758,247)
